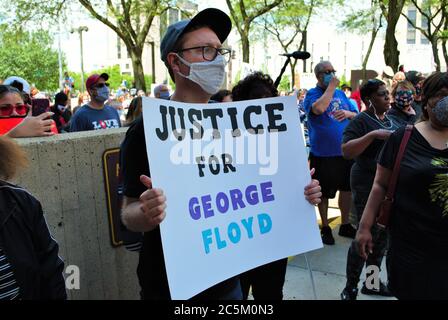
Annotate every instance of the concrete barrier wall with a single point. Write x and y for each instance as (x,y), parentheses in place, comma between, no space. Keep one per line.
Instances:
(66,175)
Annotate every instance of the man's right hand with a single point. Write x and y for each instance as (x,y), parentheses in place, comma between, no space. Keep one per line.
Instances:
(152,203)
(334,83)
(364,242)
(39,126)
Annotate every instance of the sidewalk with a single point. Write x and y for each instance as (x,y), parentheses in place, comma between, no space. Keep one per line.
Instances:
(328,266)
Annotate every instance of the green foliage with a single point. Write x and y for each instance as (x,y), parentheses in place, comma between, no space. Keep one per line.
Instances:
(285,84)
(115,77)
(443,35)
(362,21)
(29,55)
(130,20)
(343,80)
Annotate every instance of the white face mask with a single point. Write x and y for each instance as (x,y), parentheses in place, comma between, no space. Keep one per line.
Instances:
(209,75)
(61,108)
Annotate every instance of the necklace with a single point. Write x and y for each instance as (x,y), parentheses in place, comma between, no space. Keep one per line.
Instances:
(382,123)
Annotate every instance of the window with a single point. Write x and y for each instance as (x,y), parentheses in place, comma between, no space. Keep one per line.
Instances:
(423,39)
(412,15)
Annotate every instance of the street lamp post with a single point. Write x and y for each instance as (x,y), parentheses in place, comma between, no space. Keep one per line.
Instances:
(80,30)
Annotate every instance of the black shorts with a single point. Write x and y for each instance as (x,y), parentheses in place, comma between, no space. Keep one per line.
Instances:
(333,174)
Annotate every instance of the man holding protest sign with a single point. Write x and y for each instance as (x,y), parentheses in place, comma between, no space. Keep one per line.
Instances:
(192,51)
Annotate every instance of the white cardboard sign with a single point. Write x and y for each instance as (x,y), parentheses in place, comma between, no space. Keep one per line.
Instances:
(234,180)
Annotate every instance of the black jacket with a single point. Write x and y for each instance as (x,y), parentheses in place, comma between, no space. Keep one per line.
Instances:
(26,241)
(400,116)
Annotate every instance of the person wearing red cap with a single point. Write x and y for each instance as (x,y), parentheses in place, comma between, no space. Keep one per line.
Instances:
(95,115)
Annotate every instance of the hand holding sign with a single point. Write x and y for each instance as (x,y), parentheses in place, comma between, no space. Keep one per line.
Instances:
(152,204)
(313,191)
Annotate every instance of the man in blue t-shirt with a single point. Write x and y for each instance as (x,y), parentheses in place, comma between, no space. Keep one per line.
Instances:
(329,112)
(96,115)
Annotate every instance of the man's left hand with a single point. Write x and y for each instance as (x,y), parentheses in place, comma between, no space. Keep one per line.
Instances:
(341,115)
(313,192)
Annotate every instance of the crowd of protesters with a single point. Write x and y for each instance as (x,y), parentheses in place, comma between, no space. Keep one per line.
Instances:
(353,137)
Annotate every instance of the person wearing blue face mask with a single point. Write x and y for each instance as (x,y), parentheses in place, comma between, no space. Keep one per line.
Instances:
(329,112)
(401,108)
(162,92)
(95,115)
(417,257)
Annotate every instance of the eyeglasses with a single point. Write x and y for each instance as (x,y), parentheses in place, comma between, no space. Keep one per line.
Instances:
(101,85)
(210,53)
(6,110)
(328,71)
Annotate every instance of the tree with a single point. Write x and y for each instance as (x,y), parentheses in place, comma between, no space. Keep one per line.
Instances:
(29,55)
(115,77)
(287,21)
(444,37)
(363,22)
(243,13)
(432,13)
(391,10)
(131,20)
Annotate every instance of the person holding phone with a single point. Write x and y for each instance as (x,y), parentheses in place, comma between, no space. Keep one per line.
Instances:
(15,119)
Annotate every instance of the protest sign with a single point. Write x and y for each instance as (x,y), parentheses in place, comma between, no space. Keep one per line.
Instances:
(234,177)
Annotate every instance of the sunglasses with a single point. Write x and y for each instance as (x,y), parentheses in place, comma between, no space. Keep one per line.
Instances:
(101,85)
(6,110)
(329,71)
(403,92)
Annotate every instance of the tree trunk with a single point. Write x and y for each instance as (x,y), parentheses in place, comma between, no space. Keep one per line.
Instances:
(245,44)
(137,66)
(391,53)
(293,64)
(369,51)
(435,52)
(445,53)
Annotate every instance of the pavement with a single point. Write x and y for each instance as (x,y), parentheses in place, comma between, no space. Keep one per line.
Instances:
(328,270)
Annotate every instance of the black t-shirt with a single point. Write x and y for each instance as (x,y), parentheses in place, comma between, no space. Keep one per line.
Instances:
(151,268)
(419,220)
(400,116)
(358,127)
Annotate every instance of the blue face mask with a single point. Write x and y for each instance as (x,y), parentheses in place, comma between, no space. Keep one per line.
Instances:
(327,79)
(164,95)
(102,94)
(440,111)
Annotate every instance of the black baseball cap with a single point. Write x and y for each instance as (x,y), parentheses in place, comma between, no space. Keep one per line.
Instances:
(216,19)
